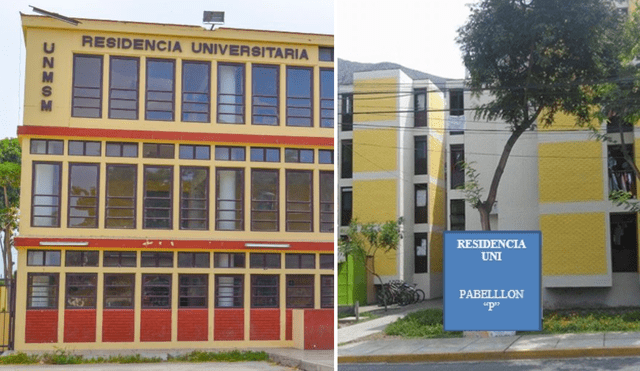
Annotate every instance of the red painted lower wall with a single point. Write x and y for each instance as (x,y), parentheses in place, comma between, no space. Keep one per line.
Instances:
(318,329)
(289,324)
(193,324)
(155,325)
(41,326)
(264,324)
(117,325)
(228,324)
(80,326)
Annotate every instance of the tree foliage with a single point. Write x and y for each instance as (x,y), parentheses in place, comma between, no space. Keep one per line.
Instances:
(10,159)
(537,58)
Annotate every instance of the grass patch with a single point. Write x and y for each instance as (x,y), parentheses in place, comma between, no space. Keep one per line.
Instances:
(62,357)
(421,324)
(428,323)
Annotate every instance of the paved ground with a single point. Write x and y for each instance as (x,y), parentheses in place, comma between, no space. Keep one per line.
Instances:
(227,366)
(356,345)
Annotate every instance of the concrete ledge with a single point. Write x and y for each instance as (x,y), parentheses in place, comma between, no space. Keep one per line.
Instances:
(493,356)
(298,363)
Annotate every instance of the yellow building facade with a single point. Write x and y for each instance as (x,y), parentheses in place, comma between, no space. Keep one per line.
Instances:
(177,187)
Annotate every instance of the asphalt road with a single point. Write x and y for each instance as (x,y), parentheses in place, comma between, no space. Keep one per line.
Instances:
(571,364)
(205,366)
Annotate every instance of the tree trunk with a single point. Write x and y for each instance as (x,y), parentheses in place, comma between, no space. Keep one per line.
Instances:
(484,217)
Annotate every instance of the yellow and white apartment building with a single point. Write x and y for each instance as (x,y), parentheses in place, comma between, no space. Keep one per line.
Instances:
(177,187)
(391,137)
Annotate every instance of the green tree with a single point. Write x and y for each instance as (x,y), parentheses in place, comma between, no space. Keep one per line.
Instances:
(537,58)
(10,158)
(365,240)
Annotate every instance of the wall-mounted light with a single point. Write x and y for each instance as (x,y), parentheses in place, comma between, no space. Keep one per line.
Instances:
(212,18)
(64,243)
(268,245)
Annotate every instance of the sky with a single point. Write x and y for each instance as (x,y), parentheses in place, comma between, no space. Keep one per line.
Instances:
(418,34)
(309,16)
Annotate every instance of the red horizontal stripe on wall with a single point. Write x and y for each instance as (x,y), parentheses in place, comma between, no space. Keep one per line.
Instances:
(155,325)
(177,244)
(80,326)
(265,324)
(193,324)
(41,326)
(177,136)
(117,325)
(228,324)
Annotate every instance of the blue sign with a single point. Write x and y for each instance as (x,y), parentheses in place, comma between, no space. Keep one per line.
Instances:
(492,281)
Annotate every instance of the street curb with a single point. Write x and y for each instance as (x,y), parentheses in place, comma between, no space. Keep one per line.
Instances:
(298,363)
(493,356)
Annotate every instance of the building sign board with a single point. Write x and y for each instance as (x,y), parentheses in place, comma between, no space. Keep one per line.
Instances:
(492,281)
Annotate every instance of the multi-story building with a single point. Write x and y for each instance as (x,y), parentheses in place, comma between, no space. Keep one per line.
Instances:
(177,187)
(391,155)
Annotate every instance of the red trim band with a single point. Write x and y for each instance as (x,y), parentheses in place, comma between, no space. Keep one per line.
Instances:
(177,136)
(175,244)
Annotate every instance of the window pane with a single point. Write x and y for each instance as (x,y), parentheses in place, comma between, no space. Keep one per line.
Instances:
(229,291)
(121,196)
(265,95)
(229,201)
(123,89)
(326,98)
(299,201)
(230,94)
(264,200)
(83,195)
(46,195)
(87,86)
(158,197)
(194,200)
(156,291)
(299,291)
(299,95)
(118,290)
(195,91)
(160,90)
(264,291)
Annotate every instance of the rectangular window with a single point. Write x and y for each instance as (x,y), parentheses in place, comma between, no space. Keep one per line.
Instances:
(325,156)
(193,260)
(264,260)
(194,198)
(231,93)
(83,148)
(457,215)
(87,86)
(326,291)
(624,242)
(265,90)
(457,166)
(299,291)
(156,259)
(420,107)
(326,261)
(43,258)
(456,102)
(229,291)
(421,209)
(123,88)
(299,201)
(120,209)
(299,96)
(346,206)
(195,91)
(158,150)
(42,290)
(118,291)
(81,258)
(46,147)
(156,291)
(421,260)
(160,89)
(45,194)
(420,155)
(158,197)
(265,291)
(229,199)
(192,152)
(300,261)
(346,159)
(192,291)
(119,259)
(81,290)
(264,200)
(225,153)
(261,154)
(325,54)
(229,260)
(346,112)
(326,98)
(83,195)
(621,175)
(326,201)
(122,149)
(298,155)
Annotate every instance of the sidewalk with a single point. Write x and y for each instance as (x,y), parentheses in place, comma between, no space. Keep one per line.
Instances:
(393,350)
